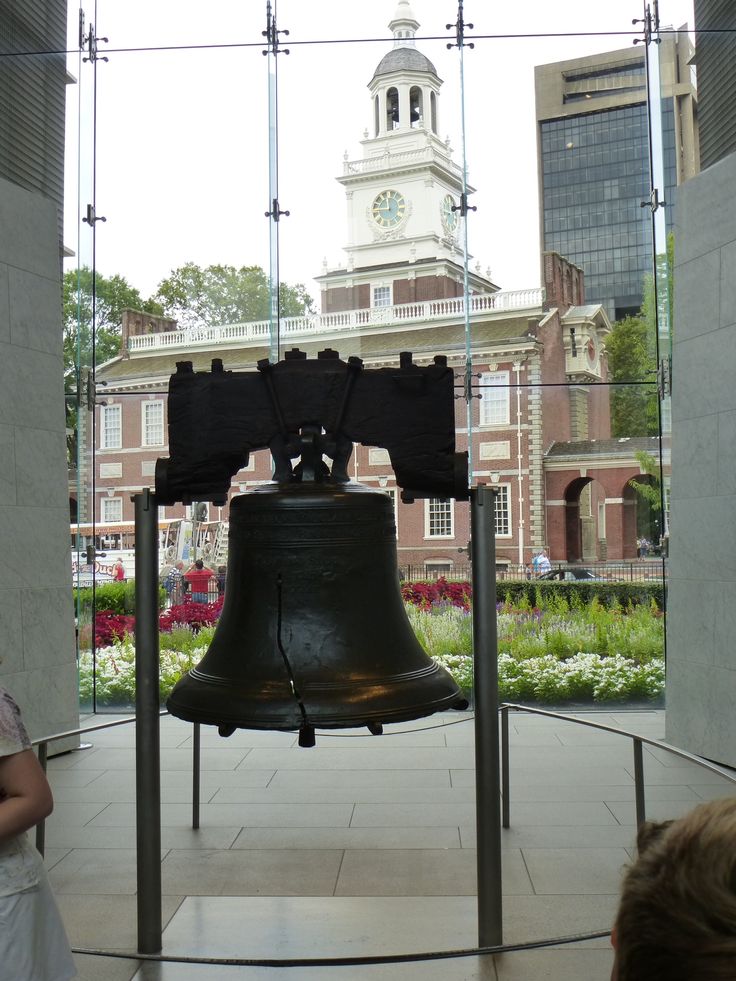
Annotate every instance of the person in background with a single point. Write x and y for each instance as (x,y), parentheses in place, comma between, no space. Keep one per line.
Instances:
(172,579)
(118,570)
(543,563)
(198,578)
(676,919)
(221,577)
(33,943)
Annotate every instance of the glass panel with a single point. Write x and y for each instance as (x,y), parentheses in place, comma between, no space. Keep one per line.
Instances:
(375,255)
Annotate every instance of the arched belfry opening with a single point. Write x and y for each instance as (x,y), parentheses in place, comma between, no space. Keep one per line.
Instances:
(392,109)
(416,107)
(405,83)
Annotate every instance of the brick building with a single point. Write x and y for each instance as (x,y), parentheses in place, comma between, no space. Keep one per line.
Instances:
(537,360)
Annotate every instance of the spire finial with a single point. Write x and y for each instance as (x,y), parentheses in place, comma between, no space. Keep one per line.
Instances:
(404,25)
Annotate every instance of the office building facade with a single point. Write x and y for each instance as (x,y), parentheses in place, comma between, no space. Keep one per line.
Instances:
(593,162)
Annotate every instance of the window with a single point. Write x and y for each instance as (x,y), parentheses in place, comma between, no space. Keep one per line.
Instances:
(381,296)
(440,567)
(111,428)
(391,494)
(503,511)
(438,518)
(378,457)
(494,398)
(111,510)
(152,423)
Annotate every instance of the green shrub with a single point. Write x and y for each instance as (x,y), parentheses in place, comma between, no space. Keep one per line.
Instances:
(115,597)
(581,593)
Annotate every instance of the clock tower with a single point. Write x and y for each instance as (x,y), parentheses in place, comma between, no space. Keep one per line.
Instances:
(404,236)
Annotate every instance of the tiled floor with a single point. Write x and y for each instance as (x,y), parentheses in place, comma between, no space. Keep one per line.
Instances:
(361,846)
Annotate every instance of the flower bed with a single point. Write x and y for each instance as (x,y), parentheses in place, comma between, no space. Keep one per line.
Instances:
(554,653)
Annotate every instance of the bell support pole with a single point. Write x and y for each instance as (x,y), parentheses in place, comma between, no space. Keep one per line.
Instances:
(147,736)
(487,743)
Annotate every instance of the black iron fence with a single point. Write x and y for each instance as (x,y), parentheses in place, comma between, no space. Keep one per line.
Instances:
(635,570)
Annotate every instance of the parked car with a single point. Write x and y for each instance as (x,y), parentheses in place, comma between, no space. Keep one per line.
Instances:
(573,574)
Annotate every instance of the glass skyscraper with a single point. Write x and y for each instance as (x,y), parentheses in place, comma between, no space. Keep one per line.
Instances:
(593,163)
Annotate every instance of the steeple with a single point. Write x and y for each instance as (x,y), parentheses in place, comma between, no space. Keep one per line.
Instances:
(405,85)
(403,25)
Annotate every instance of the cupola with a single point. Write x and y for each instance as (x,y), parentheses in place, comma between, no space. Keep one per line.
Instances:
(405,84)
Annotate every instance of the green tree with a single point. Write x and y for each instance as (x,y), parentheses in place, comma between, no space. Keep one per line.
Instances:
(632,353)
(631,361)
(649,491)
(109,295)
(216,295)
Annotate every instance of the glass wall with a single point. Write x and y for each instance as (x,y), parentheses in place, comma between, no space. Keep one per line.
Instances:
(373,180)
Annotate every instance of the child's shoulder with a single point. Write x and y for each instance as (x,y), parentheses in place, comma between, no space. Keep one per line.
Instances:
(13,735)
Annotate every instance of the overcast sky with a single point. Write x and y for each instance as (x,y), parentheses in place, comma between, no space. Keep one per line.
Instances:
(182,135)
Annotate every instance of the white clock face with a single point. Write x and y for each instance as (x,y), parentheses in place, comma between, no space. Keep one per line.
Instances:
(388,209)
(449,217)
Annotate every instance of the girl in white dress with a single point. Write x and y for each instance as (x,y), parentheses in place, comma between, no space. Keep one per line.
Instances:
(33,944)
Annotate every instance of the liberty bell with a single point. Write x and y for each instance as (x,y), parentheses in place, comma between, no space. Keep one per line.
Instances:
(313,631)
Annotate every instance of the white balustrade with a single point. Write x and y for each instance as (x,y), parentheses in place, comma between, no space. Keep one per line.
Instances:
(480,304)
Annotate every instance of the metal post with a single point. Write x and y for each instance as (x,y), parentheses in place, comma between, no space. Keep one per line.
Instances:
(641,815)
(487,776)
(196,769)
(147,736)
(505,774)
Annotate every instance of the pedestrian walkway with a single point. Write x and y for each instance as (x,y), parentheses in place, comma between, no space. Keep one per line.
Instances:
(363,845)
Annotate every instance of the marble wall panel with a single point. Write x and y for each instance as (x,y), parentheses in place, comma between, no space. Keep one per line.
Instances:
(698,310)
(36,547)
(701,622)
(31,388)
(693,624)
(40,451)
(28,222)
(48,632)
(694,444)
(703,379)
(728,285)
(7,465)
(35,311)
(706,212)
(724,451)
(48,699)
(4,306)
(11,631)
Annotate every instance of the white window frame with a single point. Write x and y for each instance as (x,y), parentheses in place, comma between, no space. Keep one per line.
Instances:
(391,492)
(386,300)
(438,509)
(503,497)
(145,426)
(495,403)
(109,412)
(106,507)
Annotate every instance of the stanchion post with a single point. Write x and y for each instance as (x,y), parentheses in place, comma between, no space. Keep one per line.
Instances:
(147,736)
(641,809)
(487,749)
(196,771)
(505,769)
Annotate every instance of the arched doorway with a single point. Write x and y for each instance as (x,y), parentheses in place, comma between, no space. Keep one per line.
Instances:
(642,515)
(585,521)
